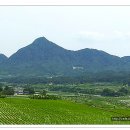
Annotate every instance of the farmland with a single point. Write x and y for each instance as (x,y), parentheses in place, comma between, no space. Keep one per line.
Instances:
(64,104)
(16,110)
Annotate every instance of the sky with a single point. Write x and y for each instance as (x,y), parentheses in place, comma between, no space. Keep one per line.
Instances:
(104,28)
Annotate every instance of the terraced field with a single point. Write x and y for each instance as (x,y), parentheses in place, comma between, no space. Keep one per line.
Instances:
(29,111)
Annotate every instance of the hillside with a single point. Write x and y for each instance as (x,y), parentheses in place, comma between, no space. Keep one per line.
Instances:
(51,112)
(3,58)
(44,58)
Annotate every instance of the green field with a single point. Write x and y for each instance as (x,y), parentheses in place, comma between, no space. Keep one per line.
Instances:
(32,111)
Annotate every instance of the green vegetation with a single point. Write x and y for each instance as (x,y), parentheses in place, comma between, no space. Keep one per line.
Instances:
(52,97)
(6,91)
(27,111)
(110,92)
(44,83)
(44,95)
(29,90)
(46,59)
(121,77)
(44,92)
(88,103)
(2,96)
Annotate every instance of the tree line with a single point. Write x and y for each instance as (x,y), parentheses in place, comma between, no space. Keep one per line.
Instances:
(105,76)
(123,91)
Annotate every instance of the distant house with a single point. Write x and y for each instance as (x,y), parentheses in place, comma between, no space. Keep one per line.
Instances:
(77,68)
(25,92)
(20,92)
(37,93)
(51,83)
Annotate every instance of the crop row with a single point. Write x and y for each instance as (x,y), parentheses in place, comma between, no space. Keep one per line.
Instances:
(28,111)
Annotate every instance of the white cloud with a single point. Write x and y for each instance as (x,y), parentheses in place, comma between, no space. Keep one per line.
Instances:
(92,35)
(72,27)
(120,34)
(128,34)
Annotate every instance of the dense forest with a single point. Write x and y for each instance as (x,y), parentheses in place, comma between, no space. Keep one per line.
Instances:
(106,76)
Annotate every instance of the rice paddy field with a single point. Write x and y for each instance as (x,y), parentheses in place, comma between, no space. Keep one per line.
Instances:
(25,111)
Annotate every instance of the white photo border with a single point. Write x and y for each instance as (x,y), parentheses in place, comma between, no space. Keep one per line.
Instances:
(64,3)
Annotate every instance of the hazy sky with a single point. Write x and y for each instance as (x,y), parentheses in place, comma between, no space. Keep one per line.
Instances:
(72,27)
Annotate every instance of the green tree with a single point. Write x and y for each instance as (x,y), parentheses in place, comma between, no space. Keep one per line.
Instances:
(124,90)
(1,89)
(108,92)
(29,89)
(44,92)
(8,91)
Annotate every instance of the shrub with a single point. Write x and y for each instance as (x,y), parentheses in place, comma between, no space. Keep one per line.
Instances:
(124,90)
(2,96)
(52,97)
(108,92)
(8,91)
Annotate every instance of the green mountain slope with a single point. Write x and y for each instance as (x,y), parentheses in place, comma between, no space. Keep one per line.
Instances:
(45,58)
(3,58)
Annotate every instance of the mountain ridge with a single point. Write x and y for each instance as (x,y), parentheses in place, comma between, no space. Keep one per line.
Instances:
(3,58)
(43,57)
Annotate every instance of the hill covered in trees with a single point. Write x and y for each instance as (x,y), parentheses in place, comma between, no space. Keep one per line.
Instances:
(44,58)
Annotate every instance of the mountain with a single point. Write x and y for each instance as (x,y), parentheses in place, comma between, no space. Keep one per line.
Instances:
(93,59)
(44,58)
(2,58)
(40,51)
